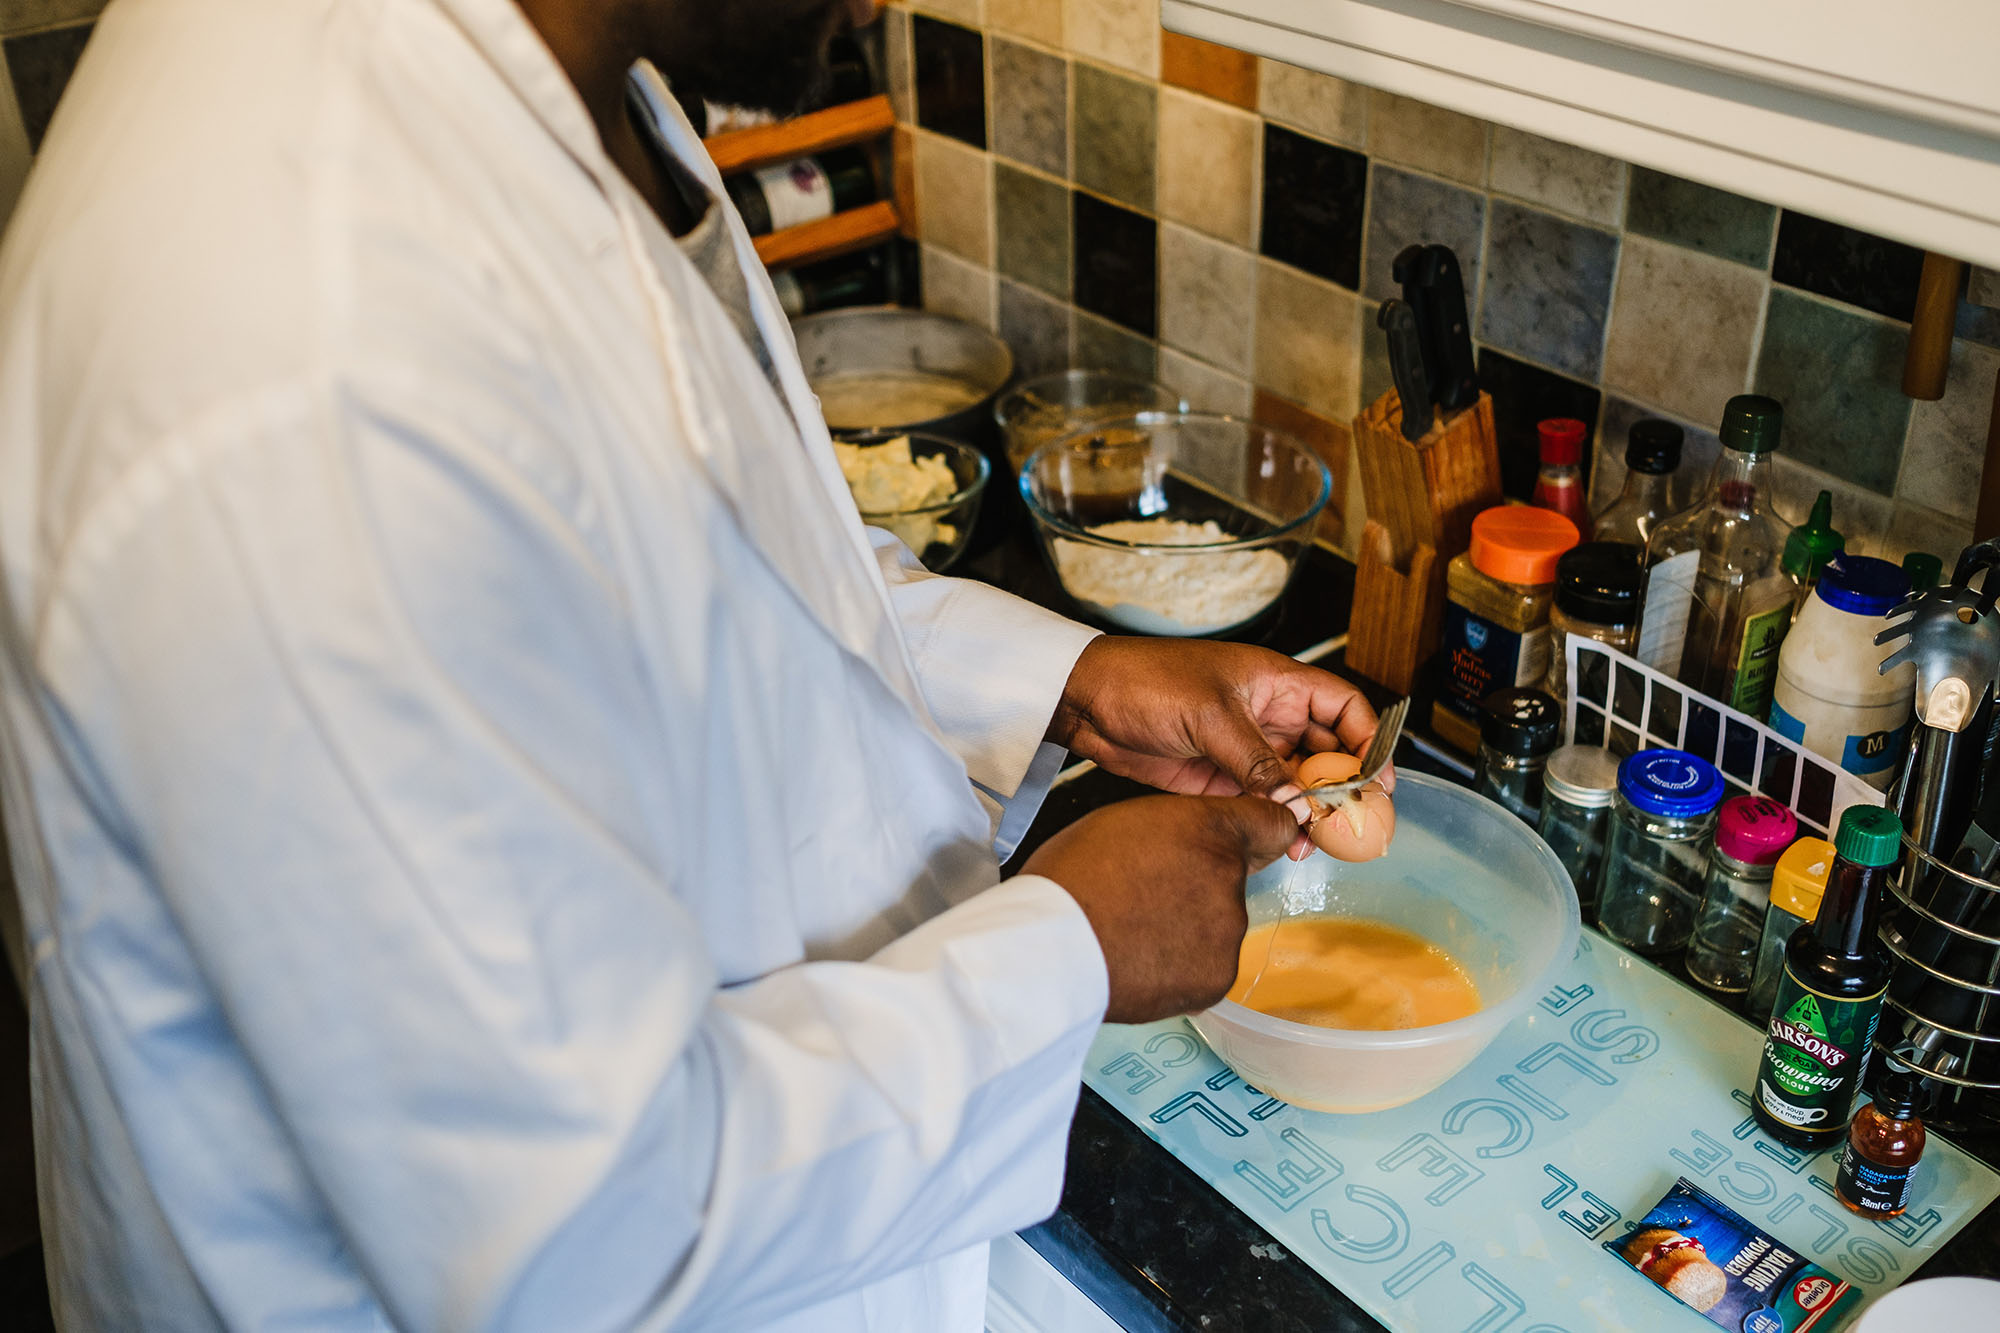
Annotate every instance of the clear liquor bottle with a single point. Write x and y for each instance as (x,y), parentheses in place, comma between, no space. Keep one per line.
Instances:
(1652,455)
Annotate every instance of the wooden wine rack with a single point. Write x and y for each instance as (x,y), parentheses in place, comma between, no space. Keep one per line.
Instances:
(843,126)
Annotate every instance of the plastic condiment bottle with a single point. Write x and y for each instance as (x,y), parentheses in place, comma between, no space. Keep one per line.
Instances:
(1496,614)
(1750,834)
(1879,1160)
(1652,456)
(1797,885)
(1518,733)
(1829,695)
(1822,1024)
(1810,546)
(1598,586)
(1559,483)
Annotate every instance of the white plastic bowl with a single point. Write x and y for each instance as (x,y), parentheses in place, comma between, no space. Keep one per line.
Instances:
(1462,873)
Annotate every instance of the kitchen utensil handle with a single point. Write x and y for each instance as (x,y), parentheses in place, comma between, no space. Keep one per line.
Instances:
(1456,385)
(1406,363)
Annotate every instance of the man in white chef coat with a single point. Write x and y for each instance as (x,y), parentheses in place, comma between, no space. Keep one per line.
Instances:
(500,845)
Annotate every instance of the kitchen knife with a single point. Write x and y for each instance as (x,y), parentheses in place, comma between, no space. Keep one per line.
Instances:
(1454,376)
(1409,271)
(1398,320)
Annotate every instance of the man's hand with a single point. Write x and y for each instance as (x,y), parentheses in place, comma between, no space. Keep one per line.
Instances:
(1208,719)
(1161,880)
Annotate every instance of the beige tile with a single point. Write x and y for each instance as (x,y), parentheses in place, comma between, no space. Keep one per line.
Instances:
(1317,103)
(1125,33)
(968,12)
(1308,340)
(956,288)
(1945,450)
(955,197)
(1205,388)
(1915,528)
(1682,324)
(1208,166)
(1561,176)
(1860,515)
(1205,297)
(1037,20)
(1427,137)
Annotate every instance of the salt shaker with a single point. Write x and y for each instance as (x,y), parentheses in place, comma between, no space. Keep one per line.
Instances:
(1578,786)
(1657,854)
(1751,832)
(1518,731)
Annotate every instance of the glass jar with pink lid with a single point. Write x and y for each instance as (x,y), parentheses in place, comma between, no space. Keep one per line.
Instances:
(1751,833)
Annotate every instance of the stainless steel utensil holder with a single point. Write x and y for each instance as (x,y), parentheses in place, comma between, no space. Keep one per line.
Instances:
(1942,1013)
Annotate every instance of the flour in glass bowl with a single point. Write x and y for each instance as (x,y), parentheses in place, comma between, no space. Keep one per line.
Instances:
(1170,594)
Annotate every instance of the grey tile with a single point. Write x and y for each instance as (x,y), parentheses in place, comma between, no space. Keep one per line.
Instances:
(1682,328)
(1547,289)
(1979,323)
(1102,345)
(1030,106)
(1701,217)
(956,288)
(1406,210)
(1860,516)
(1114,125)
(1839,373)
(1914,528)
(1699,449)
(1556,175)
(1946,449)
(1203,387)
(1982,286)
(1031,229)
(1206,294)
(1034,328)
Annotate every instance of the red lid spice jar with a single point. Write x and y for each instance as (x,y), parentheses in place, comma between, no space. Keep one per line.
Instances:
(1496,614)
(1559,483)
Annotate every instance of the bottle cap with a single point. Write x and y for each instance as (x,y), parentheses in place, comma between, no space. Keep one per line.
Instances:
(1799,882)
(1585,776)
(1925,570)
(1903,1093)
(1672,783)
(1653,446)
(1862,585)
(1600,582)
(1752,423)
(1520,543)
(1869,835)
(1754,830)
(1520,722)
(1813,542)
(1562,441)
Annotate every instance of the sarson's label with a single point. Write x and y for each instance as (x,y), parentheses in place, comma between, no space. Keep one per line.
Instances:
(1815,1052)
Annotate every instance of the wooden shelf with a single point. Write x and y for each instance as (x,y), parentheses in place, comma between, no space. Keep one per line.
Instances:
(815,132)
(856,229)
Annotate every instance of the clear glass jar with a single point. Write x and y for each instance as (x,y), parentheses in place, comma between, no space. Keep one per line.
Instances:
(1750,833)
(1496,615)
(1579,786)
(1598,586)
(1656,857)
(1796,888)
(1518,731)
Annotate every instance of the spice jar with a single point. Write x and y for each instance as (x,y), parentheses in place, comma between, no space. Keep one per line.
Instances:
(1517,733)
(1598,586)
(1797,885)
(1578,786)
(1496,614)
(1751,832)
(1657,854)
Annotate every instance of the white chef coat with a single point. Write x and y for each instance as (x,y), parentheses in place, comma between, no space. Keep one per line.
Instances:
(497,838)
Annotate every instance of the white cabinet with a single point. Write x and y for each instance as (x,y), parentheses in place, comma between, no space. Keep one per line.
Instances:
(1885,116)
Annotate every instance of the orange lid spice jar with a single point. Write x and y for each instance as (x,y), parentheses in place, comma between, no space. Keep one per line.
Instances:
(1496,614)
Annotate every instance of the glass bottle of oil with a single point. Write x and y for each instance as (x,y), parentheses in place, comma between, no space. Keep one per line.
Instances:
(1717,599)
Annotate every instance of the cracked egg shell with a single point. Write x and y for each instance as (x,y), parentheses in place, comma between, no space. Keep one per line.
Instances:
(1363,825)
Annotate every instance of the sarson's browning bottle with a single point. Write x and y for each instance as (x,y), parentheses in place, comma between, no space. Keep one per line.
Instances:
(1823,1021)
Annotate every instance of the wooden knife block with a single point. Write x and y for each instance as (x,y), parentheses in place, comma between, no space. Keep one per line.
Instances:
(1421,498)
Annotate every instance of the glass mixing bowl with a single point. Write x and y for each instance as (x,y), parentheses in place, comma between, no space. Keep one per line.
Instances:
(1175,523)
(1463,874)
(938,531)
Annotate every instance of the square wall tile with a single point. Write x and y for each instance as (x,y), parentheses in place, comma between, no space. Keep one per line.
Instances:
(1308,343)
(1700,217)
(1203,387)
(1333,441)
(1847,265)
(1035,328)
(1114,122)
(956,288)
(1682,327)
(1031,106)
(1699,448)
(951,79)
(1125,33)
(1116,262)
(1410,210)
(1221,72)
(1315,197)
(1839,374)
(1914,528)
(1547,289)
(1208,166)
(1979,323)
(1524,395)
(1031,229)
(1945,452)
(1206,291)
(1427,137)
(1038,20)
(1982,286)
(40,64)
(955,197)
(1558,176)
(898,71)
(1104,346)
(1860,516)
(1317,103)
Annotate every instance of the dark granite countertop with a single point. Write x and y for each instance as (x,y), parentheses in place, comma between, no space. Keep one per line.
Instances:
(1145,1237)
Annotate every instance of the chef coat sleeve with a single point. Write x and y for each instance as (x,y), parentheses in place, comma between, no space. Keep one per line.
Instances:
(341,688)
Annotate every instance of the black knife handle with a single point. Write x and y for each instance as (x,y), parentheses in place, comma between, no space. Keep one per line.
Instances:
(1406,363)
(1454,375)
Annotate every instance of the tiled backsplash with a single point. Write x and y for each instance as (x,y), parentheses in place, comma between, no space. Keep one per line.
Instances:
(1135,198)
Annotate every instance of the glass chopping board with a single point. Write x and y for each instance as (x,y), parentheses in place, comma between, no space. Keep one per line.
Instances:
(1481,1207)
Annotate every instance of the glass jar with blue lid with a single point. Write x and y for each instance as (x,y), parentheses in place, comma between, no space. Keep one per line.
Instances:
(1657,854)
